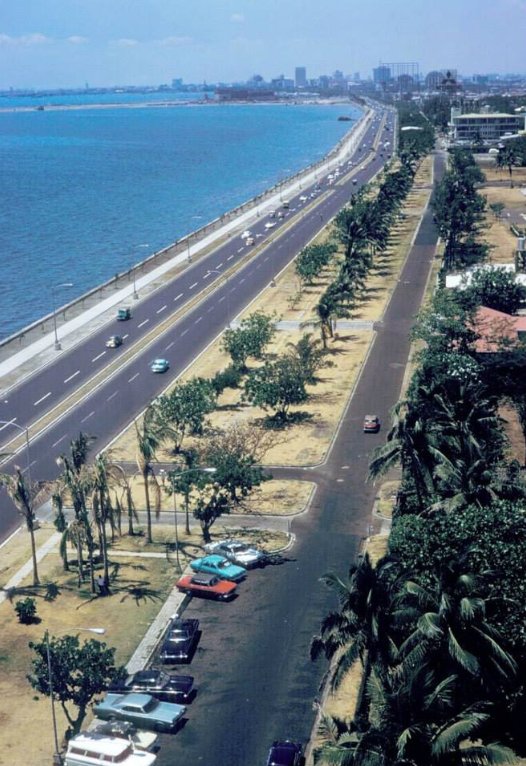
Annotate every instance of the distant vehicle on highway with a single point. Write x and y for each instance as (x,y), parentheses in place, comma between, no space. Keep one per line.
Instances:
(272,214)
(141,709)
(220,566)
(285,753)
(269,225)
(160,365)
(355,181)
(246,233)
(285,204)
(371,424)
(250,241)
(124,314)
(207,586)
(159,684)
(180,640)
(303,198)
(238,552)
(114,341)
(281,214)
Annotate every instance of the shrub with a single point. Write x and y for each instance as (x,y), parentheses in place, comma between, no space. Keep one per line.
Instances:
(26,610)
(230,377)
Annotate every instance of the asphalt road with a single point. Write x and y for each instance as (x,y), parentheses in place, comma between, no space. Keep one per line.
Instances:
(255,681)
(110,405)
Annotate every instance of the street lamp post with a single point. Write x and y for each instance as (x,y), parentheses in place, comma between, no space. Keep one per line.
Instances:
(57,757)
(25,430)
(53,298)
(220,273)
(132,269)
(189,254)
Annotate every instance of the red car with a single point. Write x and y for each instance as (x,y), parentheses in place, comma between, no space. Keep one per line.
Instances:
(207,585)
(371,424)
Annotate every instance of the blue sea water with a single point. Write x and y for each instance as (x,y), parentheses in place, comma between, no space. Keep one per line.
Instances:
(86,193)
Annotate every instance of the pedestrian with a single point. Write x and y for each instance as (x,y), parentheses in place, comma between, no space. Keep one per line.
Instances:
(102,586)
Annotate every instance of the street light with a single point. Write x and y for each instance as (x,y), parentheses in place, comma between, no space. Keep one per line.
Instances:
(189,255)
(176,527)
(26,431)
(53,298)
(57,758)
(216,271)
(132,269)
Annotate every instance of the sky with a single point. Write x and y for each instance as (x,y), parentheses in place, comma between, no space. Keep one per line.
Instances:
(68,43)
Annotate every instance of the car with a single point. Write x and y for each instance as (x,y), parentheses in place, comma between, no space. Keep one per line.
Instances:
(98,749)
(303,198)
(281,214)
(114,341)
(355,181)
(272,214)
(250,241)
(140,709)
(206,585)
(123,314)
(159,684)
(238,552)
(285,753)
(371,424)
(180,640)
(269,225)
(220,566)
(160,365)
(246,233)
(142,740)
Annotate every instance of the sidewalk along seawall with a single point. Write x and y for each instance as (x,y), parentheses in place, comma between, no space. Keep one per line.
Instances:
(78,305)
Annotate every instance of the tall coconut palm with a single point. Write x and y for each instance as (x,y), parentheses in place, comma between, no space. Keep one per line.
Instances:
(22,493)
(148,442)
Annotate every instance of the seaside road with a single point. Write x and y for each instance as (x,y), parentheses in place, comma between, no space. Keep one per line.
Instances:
(252,670)
(112,404)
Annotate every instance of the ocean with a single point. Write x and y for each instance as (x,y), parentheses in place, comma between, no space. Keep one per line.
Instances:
(86,193)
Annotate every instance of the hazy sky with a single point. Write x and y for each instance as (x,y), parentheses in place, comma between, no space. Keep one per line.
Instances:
(66,43)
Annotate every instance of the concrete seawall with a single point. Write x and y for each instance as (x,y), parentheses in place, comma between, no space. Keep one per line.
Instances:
(123,286)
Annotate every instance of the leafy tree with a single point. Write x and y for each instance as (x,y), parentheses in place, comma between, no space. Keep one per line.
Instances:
(497,208)
(312,260)
(212,503)
(308,355)
(183,410)
(496,289)
(79,673)
(233,456)
(277,386)
(250,338)
(26,610)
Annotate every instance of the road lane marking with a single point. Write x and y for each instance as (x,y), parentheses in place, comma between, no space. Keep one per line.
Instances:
(112,395)
(210,309)
(241,281)
(230,257)
(9,423)
(265,259)
(72,376)
(169,346)
(125,336)
(221,299)
(130,380)
(161,309)
(178,296)
(208,274)
(88,416)
(142,323)
(98,356)
(240,250)
(192,286)
(183,333)
(59,440)
(42,399)
(219,265)
(198,320)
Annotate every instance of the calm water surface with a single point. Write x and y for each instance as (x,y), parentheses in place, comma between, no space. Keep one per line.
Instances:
(86,193)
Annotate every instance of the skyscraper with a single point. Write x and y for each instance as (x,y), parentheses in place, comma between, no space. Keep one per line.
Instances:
(301,77)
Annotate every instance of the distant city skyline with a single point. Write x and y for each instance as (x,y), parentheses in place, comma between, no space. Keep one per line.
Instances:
(66,43)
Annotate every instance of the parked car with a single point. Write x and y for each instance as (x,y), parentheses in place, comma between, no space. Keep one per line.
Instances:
(89,749)
(285,753)
(238,552)
(141,709)
(160,365)
(371,424)
(218,565)
(180,640)
(159,684)
(124,314)
(114,341)
(143,740)
(206,585)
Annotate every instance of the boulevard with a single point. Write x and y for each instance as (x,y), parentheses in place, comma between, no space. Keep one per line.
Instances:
(127,391)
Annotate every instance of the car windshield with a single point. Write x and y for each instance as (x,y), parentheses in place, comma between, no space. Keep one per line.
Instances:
(179,634)
(222,565)
(237,547)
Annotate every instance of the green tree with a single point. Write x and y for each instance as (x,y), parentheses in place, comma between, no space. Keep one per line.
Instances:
(23,493)
(508,157)
(183,410)
(79,673)
(497,289)
(250,338)
(277,386)
(307,354)
(212,503)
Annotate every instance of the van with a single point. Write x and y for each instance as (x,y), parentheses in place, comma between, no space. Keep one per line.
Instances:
(286,204)
(123,314)
(89,749)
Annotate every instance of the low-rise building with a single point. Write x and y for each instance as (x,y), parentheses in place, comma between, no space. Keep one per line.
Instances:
(484,126)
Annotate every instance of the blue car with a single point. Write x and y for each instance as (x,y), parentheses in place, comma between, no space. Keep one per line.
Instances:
(160,365)
(219,566)
(140,709)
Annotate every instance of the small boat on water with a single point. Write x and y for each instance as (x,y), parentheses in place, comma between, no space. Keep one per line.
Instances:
(344,118)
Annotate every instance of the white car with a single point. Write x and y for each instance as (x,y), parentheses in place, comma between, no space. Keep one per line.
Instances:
(303,198)
(247,233)
(269,225)
(237,552)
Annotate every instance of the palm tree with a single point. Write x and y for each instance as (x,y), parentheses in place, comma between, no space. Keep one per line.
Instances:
(103,473)
(123,482)
(509,158)
(148,442)
(22,494)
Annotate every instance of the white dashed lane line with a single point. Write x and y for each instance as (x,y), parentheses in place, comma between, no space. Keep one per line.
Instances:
(241,281)
(192,286)
(169,346)
(184,332)
(177,297)
(143,323)
(95,358)
(230,257)
(240,250)
(59,440)
(42,398)
(198,320)
(72,376)
(125,336)
(6,425)
(130,380)
(210,309)
(219,265)
(112,395)
(88,416)
(222,298)
(161,309)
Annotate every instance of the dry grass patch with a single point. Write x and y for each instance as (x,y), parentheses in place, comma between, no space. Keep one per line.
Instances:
(513,432)
(139,588)
(386,498)
(493,173)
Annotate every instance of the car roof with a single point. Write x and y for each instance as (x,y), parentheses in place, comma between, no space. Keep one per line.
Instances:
(202,578)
